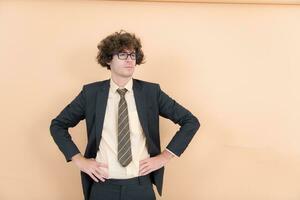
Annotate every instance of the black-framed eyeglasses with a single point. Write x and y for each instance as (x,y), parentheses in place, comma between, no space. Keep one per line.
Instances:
(124,55)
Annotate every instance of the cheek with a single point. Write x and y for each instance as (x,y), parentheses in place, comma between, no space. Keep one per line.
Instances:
(117,63)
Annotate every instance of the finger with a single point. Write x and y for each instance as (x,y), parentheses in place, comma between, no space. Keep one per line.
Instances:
(102,172)
(102,165)
(92,176)
(145,172)
(102,179)
(148,172)
(142,171)
(144,161)
(98,174)
(143,165)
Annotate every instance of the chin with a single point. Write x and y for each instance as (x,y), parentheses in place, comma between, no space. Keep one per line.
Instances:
(127,75)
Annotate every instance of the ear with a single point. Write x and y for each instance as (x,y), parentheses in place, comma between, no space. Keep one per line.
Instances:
(109,63)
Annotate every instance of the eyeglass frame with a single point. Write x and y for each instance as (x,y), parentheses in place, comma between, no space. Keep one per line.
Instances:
(127,54)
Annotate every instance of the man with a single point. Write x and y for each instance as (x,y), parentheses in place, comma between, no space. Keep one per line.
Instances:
(123,156)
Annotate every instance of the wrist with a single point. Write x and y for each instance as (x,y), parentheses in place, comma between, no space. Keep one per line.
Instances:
(77,158)
(167,155)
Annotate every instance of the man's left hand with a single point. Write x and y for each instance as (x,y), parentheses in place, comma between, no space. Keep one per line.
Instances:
(151,164)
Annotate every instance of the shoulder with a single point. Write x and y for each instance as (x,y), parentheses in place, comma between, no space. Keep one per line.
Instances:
(95,85)
(146,84)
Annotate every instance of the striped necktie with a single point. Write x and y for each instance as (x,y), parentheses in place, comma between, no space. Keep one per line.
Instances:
(124,145)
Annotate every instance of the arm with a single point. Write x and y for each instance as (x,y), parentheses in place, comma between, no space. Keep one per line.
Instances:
(189,124)
(70,116)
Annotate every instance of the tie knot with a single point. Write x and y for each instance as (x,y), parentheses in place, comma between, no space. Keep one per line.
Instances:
(122,91)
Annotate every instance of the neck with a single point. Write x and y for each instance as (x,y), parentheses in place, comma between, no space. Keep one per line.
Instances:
(120,81)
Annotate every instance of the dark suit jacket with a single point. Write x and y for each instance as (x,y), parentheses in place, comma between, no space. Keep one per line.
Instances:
(151,102)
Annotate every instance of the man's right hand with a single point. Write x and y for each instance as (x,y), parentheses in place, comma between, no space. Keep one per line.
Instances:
(91,167)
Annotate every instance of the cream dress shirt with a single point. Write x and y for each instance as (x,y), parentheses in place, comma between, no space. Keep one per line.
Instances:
(108,147)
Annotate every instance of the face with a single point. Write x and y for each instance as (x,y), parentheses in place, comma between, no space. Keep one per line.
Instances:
(122,68)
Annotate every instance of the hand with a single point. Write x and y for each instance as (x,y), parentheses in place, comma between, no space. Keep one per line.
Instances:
(91,167)
(151,164)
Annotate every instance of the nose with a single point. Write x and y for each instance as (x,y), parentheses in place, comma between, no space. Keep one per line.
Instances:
(129,57)
(129,60)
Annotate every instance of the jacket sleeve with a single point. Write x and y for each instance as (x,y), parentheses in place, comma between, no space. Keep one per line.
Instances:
(70,116)
(189,124)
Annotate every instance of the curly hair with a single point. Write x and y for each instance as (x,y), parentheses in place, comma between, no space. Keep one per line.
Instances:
(117,42)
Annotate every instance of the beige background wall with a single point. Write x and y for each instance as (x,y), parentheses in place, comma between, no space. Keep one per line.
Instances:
(236,67)
(281,2)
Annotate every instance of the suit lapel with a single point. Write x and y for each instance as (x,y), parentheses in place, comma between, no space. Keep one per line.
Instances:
(140,101)
(101,102)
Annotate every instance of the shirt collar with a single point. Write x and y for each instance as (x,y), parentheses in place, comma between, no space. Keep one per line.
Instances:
(114,86)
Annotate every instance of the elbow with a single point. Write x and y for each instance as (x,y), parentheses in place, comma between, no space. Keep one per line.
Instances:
(54,127)
(196,123)
(192,121)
